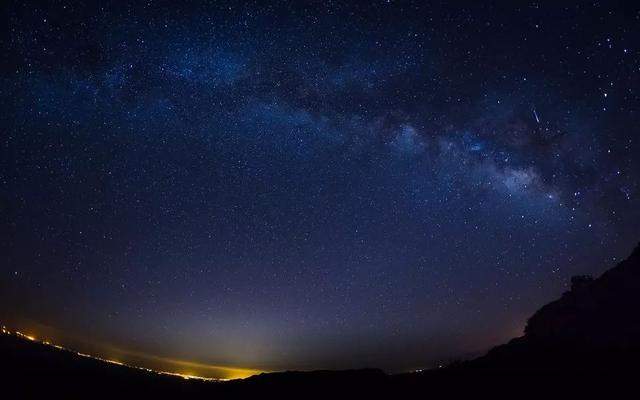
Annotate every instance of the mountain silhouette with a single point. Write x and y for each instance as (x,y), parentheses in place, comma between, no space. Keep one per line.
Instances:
(594,326)
(585,344)
(600,313)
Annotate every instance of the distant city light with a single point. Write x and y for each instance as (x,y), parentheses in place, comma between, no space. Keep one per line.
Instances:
(237,373)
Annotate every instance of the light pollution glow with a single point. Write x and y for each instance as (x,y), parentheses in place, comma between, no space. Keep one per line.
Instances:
(149,363)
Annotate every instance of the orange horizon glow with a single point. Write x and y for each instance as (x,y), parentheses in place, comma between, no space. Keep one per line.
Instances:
(181,368)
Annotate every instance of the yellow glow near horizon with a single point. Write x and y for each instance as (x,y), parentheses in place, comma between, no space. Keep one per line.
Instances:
(227,372)
(195,370)
(30,337)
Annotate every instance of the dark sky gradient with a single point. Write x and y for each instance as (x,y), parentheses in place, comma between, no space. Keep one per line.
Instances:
(312,185)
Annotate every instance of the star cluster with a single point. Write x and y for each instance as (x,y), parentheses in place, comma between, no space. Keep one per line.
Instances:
(312,185)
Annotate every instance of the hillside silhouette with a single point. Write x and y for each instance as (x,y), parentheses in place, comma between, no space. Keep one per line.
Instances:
(594,326)
(587,343)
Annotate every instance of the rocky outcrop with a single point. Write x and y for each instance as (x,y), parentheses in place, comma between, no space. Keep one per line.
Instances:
(595,312)
(594,326)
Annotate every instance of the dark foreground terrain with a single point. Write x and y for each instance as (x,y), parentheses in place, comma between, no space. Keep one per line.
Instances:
(585,344)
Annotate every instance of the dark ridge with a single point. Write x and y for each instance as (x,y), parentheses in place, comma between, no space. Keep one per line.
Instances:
(599,312)
(594,326)
(587,343)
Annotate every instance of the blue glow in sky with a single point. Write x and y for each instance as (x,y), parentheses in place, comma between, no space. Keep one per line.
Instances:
(312,185)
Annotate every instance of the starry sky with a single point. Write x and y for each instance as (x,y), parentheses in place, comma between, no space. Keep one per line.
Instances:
(303,185)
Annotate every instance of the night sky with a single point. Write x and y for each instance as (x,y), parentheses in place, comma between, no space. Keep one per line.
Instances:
(311,185)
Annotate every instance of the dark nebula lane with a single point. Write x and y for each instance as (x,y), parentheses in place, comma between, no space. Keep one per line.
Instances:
(306,185)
